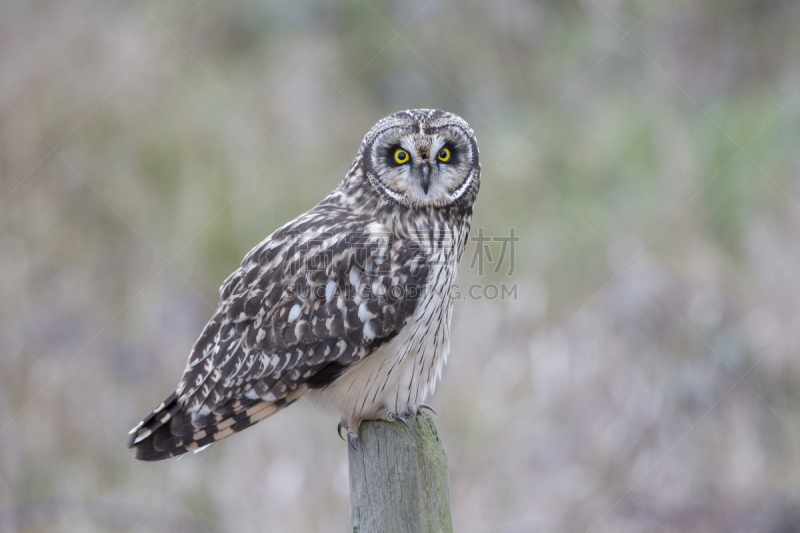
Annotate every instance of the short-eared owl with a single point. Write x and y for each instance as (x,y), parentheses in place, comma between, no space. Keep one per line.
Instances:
(349,303)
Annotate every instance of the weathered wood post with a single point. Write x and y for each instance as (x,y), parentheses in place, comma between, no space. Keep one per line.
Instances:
(398,478)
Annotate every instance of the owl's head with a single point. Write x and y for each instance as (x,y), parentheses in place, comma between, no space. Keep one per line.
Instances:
(422,158)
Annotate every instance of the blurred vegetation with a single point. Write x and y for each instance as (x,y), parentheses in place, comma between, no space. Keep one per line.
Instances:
(646,377)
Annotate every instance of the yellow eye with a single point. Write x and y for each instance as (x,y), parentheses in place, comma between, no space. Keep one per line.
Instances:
(444,155)
(400,156)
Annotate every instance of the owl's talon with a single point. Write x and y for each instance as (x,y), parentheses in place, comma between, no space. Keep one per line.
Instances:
(339,430)
(426,406)
(400,418)
(352,441)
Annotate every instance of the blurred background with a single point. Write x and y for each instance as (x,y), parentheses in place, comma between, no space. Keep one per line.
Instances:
(644,375)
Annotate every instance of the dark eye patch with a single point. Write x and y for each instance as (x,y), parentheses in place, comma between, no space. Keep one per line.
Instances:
(388,155)
(455,154)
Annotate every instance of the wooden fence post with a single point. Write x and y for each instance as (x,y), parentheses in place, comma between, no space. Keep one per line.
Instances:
(398,478)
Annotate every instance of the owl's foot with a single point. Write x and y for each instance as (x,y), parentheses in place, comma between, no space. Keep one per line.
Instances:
(352,435)
(400,418)
(391,417)
(422,406)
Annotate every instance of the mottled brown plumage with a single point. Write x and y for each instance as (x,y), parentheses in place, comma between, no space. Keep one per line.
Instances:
(348,303)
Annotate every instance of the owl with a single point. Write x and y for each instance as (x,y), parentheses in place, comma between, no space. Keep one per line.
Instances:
(348,305)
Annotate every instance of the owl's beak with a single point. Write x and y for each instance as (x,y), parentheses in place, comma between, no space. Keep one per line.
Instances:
(426,180)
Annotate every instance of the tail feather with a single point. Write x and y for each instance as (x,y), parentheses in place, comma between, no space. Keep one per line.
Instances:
(204,436)
(152,422)
(170,431)
(186,423)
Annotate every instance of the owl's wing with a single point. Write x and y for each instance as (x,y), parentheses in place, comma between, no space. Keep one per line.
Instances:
(310,300)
